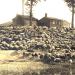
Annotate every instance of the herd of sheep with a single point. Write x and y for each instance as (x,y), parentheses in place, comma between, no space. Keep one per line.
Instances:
(35,38)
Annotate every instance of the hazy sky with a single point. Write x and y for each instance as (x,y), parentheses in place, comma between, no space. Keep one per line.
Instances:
(54,8)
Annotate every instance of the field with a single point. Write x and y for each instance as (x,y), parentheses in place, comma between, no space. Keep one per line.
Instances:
(8,66)
(11,64)
(39,41)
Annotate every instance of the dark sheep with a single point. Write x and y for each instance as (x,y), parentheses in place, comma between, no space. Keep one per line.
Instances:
(26,54)
(35,55)
(41,56)
(63,58)
(72,47)
(47,59)
(39,46)
(73,57)
(30,50)
(8,40)
(67,56)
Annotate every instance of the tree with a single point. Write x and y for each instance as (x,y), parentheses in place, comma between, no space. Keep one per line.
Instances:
(22,7)
(31,3)
(71,4)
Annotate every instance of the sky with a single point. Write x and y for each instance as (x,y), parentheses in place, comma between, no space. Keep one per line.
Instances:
(54,8)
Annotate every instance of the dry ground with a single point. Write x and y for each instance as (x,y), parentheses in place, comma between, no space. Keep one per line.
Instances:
(17,66)
(20,66)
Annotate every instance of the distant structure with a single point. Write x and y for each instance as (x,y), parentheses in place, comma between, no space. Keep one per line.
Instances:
(53,22)
(23,20)
(45,21)
(65,24)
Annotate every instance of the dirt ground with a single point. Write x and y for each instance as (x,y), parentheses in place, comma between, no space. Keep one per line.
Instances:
(9,61)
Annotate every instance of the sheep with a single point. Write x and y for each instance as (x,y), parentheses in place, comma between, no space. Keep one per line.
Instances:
(70,61)
(34,54)
(57,60)
(72,47)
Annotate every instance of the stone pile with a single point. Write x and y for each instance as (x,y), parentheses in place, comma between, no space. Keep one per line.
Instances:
(30,38)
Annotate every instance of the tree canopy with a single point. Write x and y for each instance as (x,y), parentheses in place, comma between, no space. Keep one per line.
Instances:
(71,4)
(31,3)
(34,2)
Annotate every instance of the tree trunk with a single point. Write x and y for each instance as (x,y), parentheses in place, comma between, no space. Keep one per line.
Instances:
(72,25)
(22,7)
(31,12)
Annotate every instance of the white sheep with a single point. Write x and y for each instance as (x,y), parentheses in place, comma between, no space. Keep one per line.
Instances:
(70,61)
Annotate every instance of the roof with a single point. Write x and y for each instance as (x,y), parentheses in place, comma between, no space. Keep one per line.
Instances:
(26,17)
(49,18)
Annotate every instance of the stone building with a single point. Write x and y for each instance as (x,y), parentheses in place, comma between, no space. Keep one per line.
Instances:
(23,20)
(53,22)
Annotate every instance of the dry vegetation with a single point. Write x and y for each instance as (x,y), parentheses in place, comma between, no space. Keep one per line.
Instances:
(5,55)
(17,66)
(22,66)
